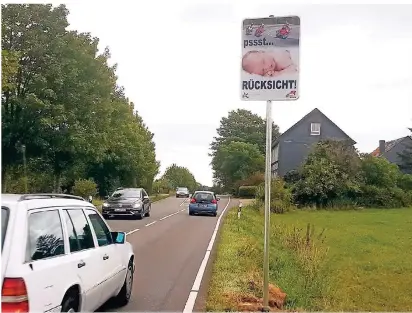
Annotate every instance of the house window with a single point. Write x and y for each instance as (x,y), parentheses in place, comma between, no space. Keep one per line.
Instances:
(275,154)
(315,129)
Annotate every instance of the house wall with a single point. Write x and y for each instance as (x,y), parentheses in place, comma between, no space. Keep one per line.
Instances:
(392,155)
(295,145)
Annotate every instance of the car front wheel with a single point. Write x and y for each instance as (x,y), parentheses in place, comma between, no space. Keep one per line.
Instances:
(125,293)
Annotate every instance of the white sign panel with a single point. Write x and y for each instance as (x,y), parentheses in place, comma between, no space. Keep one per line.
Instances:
(270,59)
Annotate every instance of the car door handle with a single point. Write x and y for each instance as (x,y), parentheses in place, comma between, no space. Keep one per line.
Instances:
(81,264)
(105,257)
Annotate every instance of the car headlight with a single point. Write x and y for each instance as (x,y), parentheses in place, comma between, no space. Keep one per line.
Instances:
(136,206)
(105,205)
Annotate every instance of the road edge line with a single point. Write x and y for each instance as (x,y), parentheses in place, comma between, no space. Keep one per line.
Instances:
(190,303)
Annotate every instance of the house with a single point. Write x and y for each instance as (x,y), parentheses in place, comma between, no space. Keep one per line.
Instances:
(291,148)
(390,149)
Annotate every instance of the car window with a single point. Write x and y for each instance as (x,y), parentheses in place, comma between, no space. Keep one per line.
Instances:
(181,189)
(81,230)
(45,235)
(144,193)
(127,193)
(73,240)
(203,196)
(103,234)
(4,222)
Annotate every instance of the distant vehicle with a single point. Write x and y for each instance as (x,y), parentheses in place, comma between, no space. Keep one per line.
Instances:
(58,254)
(182,192)
(134,202)
(203,202)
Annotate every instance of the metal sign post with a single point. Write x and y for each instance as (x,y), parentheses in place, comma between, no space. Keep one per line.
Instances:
(270,59)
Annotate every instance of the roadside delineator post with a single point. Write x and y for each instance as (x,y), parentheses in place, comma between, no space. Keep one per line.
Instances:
(270,59)
(239,210)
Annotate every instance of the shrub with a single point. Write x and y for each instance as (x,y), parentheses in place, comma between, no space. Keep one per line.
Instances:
(247,191)
(405,182)
(374,196)
(254,180)
(280,196)
(84,188)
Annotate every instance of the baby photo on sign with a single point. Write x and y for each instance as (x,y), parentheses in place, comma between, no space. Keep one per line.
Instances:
(268,63)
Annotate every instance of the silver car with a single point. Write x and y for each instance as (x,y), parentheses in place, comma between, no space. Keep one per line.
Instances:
(182,192)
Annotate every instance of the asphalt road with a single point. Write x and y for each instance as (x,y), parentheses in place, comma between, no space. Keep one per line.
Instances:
(169,248)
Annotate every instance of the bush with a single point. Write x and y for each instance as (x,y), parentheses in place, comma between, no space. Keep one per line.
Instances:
(280,196)
(374,196)
(405,182)
(247,191)
(254,180)
(84,188)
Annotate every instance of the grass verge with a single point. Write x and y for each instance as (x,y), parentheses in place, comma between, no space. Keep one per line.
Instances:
(345,260)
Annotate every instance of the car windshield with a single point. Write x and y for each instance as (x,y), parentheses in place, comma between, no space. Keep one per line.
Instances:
(181,189)
(203,196)
(4,222)
(126,193)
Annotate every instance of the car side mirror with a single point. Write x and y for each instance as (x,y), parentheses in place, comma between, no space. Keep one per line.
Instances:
(119,237)
(218,199)
(106,197)
(146,197)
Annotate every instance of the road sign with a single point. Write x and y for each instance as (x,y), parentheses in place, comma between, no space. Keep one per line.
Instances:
(270,59)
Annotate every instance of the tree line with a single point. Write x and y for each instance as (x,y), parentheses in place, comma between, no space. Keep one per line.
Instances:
(334,174)
(63,111)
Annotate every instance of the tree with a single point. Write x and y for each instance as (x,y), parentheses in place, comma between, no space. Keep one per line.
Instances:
(330,173)
(61,100)
(378,171)
(243,126)
(179,176)
(406,158)
(236,161)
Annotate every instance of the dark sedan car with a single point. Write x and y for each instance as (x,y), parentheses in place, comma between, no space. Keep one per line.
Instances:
(133,202)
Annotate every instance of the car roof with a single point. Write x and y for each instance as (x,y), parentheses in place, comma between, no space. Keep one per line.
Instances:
(204,191)
(43,200)
(129,189)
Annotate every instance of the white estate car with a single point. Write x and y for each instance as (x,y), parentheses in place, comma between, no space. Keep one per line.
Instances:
(58,254)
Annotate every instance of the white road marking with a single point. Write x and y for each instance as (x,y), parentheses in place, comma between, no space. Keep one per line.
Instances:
(132,231)
(165,217)
(190,303)
(150,223)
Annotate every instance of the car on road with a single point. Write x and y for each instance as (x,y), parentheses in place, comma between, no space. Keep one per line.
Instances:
(203,202)
(182,192)
(127,202)
(58,254)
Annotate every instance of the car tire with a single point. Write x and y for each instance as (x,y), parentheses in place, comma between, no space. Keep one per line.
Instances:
(148,212)
(215,214)
(125,293)
(191,213)
(105,216)
(70,303)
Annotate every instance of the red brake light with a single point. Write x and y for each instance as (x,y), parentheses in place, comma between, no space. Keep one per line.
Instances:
(193,200)
(14,296)
(214,201)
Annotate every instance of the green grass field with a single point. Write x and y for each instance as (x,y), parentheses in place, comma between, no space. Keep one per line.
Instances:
(362,261)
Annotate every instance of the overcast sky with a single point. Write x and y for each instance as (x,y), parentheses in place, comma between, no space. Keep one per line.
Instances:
(180,64)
